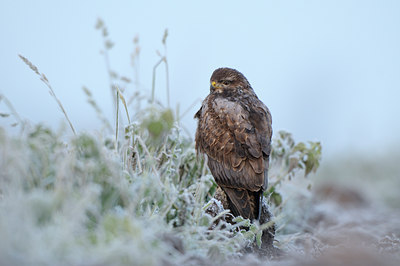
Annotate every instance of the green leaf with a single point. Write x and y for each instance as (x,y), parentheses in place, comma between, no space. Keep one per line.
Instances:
(276,198)
(205,220)
(240,221)
(168,117)
(299,147)
(253,228)
(258,238)
(248,235)
(155,128)
(293,163)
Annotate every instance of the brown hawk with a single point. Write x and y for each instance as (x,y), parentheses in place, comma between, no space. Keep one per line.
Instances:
(234,130)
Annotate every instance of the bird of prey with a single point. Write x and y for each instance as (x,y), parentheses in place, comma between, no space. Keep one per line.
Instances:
(234,131)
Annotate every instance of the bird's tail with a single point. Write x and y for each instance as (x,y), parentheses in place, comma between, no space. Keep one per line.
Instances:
(244,202)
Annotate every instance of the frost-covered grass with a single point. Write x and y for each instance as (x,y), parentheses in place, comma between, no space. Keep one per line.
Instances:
(77,202)
(135,193)
(86,200)
(82,200)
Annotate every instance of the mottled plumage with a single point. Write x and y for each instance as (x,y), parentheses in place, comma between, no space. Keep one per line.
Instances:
(234,131)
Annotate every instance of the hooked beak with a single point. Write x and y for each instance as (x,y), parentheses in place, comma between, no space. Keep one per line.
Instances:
(213,87)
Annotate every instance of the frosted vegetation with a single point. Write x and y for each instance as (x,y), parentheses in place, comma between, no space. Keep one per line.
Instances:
(135,193)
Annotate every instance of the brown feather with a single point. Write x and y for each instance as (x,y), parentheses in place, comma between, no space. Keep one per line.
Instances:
(234,130)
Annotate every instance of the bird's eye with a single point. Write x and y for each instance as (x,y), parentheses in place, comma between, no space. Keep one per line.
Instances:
(225,82)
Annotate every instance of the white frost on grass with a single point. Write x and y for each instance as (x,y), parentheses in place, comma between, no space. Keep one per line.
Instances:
(77,203)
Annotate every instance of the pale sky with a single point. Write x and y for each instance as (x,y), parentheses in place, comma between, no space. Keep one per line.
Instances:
(328,70)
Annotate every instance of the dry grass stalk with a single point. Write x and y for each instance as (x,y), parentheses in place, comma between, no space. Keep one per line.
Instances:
(46,81)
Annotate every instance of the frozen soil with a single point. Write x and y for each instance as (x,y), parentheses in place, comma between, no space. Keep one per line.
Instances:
(334,225)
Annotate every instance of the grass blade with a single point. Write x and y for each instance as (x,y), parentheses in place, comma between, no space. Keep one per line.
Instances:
(46,81)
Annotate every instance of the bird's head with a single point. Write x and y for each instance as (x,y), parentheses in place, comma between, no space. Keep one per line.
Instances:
(228,80)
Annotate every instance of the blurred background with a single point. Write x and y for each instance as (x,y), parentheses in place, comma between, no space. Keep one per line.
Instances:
(328,70)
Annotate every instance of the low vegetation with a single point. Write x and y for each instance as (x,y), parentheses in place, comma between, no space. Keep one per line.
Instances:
(135,192)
